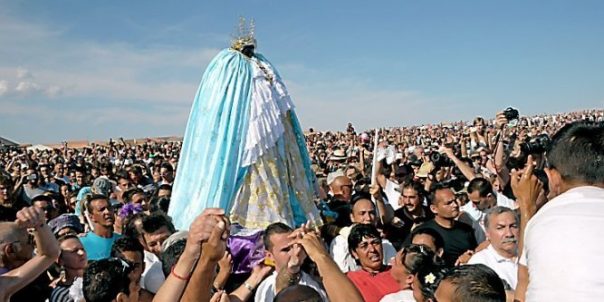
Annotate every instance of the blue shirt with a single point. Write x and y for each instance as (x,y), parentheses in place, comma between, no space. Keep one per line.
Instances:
(98,247)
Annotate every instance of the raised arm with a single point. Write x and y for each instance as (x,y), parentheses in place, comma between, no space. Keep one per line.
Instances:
(526,188)
(199,232)
(465,169)
(337,285)
(46,245)
(385,210)
(200,285)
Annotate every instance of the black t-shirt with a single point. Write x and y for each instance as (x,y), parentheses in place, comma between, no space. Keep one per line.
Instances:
(37,291)
(398,235)
(458,239)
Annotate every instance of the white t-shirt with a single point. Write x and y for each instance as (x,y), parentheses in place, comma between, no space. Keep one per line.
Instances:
(153,276)
(563,248)
(338,250)
(405,295)
(266,289)
(392,194)
(506,269)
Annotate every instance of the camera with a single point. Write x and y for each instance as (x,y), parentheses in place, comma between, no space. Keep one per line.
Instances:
(536,145)
(511,113)
(441,160)
(32,177)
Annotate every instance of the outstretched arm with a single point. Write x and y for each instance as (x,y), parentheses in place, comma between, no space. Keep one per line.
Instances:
(48,252)
(337,285)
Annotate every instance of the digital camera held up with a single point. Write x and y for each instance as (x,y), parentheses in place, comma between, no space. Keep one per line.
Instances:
(511,114)
(536,145)
(441,160)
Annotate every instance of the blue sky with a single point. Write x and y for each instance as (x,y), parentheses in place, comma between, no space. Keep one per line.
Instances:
(99,69)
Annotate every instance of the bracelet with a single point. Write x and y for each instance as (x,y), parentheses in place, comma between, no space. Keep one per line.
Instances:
(179,277)
(248,286)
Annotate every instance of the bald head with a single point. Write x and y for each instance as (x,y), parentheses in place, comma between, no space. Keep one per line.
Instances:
(341,187)
(9,232)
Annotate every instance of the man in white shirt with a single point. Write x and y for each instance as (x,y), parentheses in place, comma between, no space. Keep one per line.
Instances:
(502,227)
(287,259)
(483,197)
(562,248)
(363,212)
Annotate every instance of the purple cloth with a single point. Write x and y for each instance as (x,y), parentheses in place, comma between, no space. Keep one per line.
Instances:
(246,251)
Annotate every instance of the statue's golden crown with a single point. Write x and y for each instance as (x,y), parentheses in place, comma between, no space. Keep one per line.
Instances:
(245,36)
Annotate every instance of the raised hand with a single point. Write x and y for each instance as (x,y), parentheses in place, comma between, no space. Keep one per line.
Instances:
(30,217)
(201,229)
(312,245)
(226,263)
(214,249)
(526,187)
(220,296)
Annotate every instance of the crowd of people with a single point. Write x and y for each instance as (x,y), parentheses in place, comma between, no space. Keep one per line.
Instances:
(492,210)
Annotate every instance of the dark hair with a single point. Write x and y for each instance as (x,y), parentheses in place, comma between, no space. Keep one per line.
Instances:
(274,228)
(427,284)
(105,279)
(126,244)
(136,169)
(414,185)
(576,152)
(481,185)
(416,256)
(156,221)
(159,204)
(7,182)
(130,227)
(475,283)
(121,174)
(167,166)
(164,187)
(360,231)
(170,256)
(81,170)
(358,197)
(439,242)
(130,193)
(93,197)
(435,188)
(298,293)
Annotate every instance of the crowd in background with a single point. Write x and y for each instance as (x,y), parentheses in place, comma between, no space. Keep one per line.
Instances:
(420,213)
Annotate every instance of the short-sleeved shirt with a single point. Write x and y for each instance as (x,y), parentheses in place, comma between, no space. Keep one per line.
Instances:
(98,247)
(506,268)
(458,239)
(374,287)
(563,248)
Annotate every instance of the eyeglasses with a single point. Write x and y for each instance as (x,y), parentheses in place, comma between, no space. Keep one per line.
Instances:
(31,240)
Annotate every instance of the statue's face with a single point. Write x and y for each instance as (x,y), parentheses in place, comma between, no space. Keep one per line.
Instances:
(248,51)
